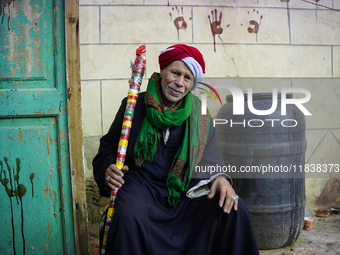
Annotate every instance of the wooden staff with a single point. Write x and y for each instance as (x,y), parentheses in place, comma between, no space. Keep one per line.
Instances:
(135,83)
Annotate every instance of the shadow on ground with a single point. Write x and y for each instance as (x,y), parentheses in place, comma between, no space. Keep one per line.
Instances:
(324,238)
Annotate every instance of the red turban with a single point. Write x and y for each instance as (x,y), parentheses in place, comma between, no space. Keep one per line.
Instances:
(191,56)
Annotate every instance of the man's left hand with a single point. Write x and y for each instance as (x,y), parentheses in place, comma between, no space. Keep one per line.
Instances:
(227,193)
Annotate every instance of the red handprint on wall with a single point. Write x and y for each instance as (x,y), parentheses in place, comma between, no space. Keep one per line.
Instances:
(215,25)
(254,26)
(179,22)
(316,11)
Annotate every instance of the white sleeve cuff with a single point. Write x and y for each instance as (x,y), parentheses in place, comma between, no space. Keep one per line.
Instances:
(202,188)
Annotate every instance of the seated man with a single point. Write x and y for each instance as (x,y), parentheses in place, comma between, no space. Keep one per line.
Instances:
(158,209)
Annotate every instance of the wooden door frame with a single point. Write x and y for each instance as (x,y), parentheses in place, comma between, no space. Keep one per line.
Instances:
(75,130)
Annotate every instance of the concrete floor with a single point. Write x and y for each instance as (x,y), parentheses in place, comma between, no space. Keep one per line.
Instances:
(324,238)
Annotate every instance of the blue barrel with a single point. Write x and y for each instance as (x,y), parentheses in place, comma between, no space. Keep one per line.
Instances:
(275,143)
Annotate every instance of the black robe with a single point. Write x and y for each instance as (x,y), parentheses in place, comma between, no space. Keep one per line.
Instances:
(144,222)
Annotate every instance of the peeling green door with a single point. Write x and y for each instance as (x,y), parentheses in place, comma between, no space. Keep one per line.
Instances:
(35,182)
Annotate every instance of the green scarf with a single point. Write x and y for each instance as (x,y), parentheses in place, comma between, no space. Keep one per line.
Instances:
(187,111)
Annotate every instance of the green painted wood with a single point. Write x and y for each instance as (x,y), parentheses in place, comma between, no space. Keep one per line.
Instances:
(35,178)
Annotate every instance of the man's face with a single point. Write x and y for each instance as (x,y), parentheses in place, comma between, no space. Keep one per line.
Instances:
(177,80)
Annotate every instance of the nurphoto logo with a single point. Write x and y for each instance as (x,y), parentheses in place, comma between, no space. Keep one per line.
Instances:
(239,102)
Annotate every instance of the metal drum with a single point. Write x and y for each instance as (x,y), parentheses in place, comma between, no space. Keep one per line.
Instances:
(267,154)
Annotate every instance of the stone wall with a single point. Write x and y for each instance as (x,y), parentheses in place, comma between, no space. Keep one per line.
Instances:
(248,43)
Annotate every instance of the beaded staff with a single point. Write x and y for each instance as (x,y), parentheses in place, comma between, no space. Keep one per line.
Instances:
(135,82)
